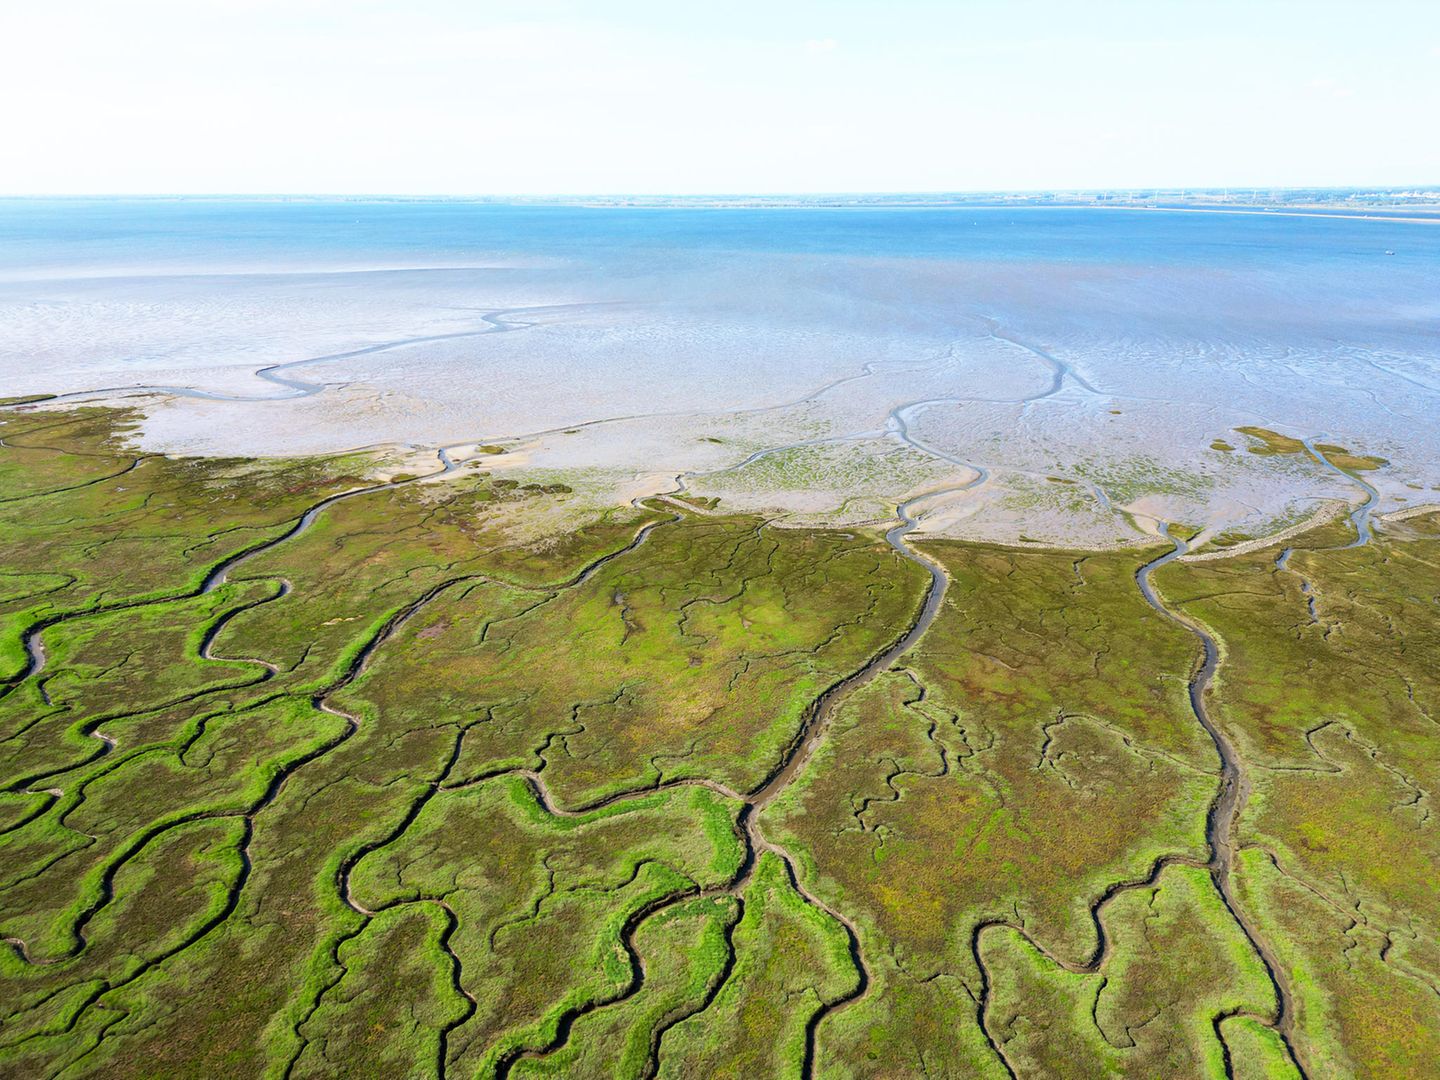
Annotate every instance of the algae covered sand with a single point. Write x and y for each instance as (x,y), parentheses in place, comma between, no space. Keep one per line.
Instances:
(389,764)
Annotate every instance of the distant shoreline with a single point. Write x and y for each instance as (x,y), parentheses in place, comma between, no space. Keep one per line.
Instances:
(1426,216)
(1423,207)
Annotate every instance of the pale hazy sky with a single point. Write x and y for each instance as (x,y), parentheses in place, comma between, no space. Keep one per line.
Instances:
(495,96)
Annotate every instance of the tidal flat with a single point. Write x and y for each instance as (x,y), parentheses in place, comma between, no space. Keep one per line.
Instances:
(400,763)
(824,363)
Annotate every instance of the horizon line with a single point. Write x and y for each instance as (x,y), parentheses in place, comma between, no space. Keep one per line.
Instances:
(1170,190)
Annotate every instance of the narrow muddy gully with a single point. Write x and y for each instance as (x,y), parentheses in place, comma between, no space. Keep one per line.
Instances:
(1228,803)
(1230,799)
(670,790)
(791,764)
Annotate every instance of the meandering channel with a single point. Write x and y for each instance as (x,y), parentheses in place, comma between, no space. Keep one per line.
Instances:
(494,322)
(32,639)
(790,765)
(1229,801)
(1231,797)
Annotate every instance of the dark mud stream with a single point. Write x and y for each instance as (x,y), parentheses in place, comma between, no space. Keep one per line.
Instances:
(792,763)
(1229,801)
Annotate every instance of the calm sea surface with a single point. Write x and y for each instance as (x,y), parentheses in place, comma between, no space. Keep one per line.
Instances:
(90,235)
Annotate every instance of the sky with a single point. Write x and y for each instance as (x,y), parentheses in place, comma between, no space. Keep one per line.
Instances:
(552,97)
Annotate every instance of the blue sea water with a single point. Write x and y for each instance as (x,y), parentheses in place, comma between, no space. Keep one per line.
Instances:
(51,235)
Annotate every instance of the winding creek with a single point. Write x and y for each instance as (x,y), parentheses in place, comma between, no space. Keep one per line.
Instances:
(1229,800)
(790,766)
(1360,516)
(493,322)
(1225,808)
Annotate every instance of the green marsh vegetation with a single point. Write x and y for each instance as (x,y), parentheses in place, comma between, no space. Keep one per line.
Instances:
(424,788)
(1267,443)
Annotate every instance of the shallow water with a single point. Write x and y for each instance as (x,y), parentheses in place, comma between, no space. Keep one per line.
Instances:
(1109,347)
